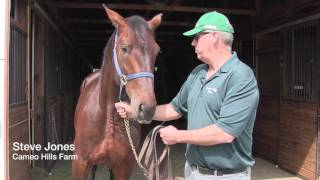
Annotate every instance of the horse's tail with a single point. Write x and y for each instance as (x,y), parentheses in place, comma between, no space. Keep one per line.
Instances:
(93,172)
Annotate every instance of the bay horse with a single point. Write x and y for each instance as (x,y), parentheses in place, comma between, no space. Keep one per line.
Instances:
(100,137)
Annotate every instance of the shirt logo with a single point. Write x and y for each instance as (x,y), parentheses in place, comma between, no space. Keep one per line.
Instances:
(211,90)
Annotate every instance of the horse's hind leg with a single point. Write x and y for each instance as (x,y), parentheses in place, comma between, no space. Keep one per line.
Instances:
(80,169)
(123,171)
(93,172)
(111,174)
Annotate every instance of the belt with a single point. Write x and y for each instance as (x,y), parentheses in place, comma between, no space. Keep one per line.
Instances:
(218,172)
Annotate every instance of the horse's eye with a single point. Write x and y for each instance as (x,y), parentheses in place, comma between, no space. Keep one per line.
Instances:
(124,49)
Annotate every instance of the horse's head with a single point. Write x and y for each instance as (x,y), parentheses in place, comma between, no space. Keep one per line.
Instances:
(136,50)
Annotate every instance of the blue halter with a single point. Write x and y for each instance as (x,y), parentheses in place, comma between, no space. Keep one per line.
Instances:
(125,78)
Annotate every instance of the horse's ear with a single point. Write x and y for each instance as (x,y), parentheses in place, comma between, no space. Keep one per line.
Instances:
(155,22)
(116,19)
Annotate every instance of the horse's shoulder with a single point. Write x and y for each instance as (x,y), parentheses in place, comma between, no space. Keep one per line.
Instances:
(90,78)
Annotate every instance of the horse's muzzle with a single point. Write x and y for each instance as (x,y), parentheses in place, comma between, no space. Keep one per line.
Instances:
(146,113)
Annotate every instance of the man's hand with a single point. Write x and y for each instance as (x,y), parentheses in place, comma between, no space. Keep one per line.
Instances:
(124,109)
(169,135)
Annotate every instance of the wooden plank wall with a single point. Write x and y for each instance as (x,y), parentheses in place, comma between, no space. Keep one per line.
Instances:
(297,137)
(39,79)
(68,101)
(286,130)
(58,106)
(18,132)
(266,129)
(318,142)
(267,121)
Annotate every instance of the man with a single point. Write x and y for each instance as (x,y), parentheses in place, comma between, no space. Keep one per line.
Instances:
(219,99)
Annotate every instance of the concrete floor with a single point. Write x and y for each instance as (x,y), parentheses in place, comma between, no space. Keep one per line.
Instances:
(265,170)
(261,170)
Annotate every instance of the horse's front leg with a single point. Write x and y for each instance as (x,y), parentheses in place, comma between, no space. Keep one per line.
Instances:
(80,169)
(123,170)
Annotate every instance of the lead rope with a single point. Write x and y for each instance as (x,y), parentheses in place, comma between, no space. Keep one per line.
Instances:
(127,126)
(150,155)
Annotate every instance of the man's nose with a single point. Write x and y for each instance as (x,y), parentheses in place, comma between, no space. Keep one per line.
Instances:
(194,42)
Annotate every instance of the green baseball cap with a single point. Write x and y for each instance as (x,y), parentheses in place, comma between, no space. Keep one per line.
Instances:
(211,21)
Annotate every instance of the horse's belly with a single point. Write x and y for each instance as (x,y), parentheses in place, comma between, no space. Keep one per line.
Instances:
(110,152)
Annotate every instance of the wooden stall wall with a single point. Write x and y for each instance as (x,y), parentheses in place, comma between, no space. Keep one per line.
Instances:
(57,78)
(297,137)
(19,132)
(266,130)
(62,70)
(53,92)
(318,139)
(18,90)
(299,100)
(286,128)
(68,104)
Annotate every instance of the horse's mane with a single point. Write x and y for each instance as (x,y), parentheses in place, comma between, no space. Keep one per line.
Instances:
(139,27)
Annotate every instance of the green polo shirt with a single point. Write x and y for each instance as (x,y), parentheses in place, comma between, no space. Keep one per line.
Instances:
(228,99)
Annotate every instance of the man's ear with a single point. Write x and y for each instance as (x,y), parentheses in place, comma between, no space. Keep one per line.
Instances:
(155,22)
(215,37)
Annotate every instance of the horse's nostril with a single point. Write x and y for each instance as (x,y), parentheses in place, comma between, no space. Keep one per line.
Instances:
(146,112)
(141,107)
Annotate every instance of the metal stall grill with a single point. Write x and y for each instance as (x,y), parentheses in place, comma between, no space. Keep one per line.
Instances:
(300,49)
(17,64)
(60,70)
(53,118)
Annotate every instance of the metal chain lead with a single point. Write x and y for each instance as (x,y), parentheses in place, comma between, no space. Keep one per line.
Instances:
(127,126)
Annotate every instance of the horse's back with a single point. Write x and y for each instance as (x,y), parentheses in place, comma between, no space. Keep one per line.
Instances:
(89,79)
(89,92)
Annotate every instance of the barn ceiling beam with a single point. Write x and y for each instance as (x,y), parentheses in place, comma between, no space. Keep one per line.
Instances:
(285,25)
(283,9)
(165,2)
(105,39)
(101,32)
(105,21)
(145,7)
(258,4)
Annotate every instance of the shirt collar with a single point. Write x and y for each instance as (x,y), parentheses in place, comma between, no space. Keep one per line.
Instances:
(228,64)
(223,69)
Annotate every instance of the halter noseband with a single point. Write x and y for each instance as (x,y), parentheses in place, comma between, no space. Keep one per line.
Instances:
(125,78)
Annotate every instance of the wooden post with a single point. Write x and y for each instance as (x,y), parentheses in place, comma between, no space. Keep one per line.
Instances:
(4,34)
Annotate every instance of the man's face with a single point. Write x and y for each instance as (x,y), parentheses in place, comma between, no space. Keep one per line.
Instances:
(203,44)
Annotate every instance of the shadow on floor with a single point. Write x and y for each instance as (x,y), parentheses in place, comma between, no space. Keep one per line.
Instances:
(262,170)
(62,169)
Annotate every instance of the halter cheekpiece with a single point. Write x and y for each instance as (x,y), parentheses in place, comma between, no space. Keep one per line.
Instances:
(125,78)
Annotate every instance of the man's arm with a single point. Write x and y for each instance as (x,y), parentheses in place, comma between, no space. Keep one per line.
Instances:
(165,113)
(207,136)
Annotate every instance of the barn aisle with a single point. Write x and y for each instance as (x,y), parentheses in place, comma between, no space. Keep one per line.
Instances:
(263,170)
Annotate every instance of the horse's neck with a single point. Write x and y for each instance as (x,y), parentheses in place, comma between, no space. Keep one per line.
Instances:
(109,88)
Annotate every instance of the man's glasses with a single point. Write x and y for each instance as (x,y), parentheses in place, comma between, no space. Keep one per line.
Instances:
(199,35)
